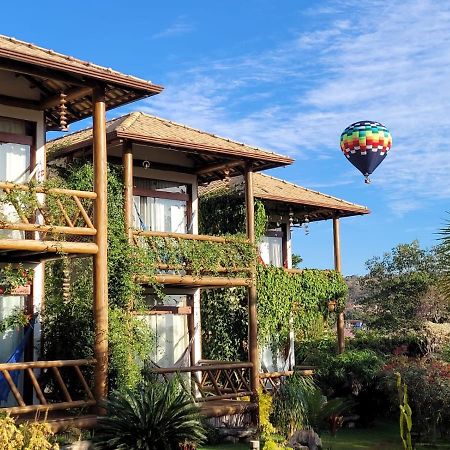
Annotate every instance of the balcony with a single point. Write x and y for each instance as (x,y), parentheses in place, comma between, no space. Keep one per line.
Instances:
(37,222)
(189,260)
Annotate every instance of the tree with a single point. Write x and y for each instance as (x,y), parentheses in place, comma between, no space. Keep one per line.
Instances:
(400,289)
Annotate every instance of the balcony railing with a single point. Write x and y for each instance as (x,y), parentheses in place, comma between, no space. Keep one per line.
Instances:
(198,259)
(35,213)
(211,382)
(50,385)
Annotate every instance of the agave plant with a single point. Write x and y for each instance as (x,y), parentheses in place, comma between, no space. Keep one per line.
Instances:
(155,416)
(444,251)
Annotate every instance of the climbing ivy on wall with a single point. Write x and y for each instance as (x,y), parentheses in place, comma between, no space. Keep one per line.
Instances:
(68,324)
(223,212)
(301,298)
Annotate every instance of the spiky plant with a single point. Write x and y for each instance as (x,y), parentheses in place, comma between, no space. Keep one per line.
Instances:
(155,416)
(444,252)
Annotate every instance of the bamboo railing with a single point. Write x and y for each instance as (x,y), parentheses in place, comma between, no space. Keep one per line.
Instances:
(41,375)
(180,273)
(47,212)
(209,382)
(271,382)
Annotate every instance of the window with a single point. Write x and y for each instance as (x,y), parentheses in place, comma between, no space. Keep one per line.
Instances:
(161,205)
(272,247)
(16,139)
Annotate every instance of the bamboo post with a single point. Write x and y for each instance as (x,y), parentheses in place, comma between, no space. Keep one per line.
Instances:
(127,160)
(101,239)
(252,295)
(338,268)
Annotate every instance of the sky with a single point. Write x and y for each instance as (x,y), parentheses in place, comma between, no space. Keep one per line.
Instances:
(289,76)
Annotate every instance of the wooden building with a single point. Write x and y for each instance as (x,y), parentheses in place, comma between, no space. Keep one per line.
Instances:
(42,90)
(163,165)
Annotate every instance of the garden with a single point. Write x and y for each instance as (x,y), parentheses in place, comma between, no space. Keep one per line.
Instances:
(389,389)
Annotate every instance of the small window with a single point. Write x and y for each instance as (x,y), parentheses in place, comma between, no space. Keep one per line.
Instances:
(161,205)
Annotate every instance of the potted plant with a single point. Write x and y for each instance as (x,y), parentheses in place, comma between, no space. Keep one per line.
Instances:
(15,280)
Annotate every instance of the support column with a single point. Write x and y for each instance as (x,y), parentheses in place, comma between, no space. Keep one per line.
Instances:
(252,294)
(127,161)
(101,239)
(338,268)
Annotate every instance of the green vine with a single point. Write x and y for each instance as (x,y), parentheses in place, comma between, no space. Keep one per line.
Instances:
(223,212)
(298,297)
(301,299)
(202,257)
(68,325)
(16,319)
(13,276)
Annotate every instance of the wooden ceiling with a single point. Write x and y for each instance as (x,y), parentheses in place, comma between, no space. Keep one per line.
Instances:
(63,79)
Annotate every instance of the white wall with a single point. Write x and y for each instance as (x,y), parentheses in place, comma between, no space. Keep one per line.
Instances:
(38,118)
(172,334)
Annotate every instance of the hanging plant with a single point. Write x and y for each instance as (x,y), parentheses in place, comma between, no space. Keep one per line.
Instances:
(15,279)
(15,320)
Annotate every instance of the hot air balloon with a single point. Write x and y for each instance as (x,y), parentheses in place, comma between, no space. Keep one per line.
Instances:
(366,144)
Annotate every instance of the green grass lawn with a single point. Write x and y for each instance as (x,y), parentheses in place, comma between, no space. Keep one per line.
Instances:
(227,447)
(378,437)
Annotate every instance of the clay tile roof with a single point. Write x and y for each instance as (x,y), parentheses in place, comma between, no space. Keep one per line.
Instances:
(12,48)
(270,188)
(56,76)
(147,129)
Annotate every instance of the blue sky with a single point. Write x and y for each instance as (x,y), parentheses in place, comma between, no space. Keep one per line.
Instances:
(289,76)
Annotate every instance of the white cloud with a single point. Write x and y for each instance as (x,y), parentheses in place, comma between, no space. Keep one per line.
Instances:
(180,27)
(392,66)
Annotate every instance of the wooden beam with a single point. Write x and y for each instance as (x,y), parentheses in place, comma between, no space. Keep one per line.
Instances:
(219,167)
(337,266)
(71,94)
(127,161)
(101,239)
(84,248)
(45,73)
(189,280)
(19,102)
(193,237)
(252,294)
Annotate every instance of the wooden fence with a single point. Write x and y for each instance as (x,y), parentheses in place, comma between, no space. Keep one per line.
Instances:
(49,385)
(209,382)
(46,211)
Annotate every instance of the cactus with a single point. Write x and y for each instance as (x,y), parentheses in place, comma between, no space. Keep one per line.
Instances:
(405,413)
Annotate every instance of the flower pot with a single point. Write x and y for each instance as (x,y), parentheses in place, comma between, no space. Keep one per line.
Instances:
(331,306)
(20,290)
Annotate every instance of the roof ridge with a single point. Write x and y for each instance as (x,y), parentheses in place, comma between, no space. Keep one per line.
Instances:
(311,190)
(68,57)
(130,120)
(82,130)
(212,134)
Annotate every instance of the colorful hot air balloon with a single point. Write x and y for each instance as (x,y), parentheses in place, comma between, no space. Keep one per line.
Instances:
(366,144)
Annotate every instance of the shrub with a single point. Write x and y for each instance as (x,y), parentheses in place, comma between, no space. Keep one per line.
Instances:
(26,436)
(155,416)
(428,382)
(299,404)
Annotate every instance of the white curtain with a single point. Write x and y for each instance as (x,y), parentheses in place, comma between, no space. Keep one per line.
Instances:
(14,167)
(14,162)
(271,250)
(158,214)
